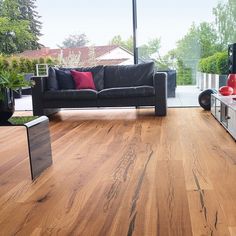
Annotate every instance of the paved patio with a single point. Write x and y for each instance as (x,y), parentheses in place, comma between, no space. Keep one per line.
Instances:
(24,103)
(186,96)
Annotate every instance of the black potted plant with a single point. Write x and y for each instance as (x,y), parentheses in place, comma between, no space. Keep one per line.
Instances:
(9,81)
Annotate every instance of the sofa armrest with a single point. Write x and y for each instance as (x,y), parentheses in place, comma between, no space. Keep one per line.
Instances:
(37,94)
(40,83)
(171,82)
(160,86)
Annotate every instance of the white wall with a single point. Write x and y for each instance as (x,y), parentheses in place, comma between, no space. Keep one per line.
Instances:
(128,62)
(116,53)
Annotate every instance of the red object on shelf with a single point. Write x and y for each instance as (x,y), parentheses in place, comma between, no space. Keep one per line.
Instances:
(231,82)
(226,90)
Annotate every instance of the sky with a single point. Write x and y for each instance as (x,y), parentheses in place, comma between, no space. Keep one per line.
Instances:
(100,20)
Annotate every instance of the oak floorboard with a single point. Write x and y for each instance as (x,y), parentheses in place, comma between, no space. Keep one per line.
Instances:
(220,154)
(122,172)
(194,158)
(172,204)
(207,216)
(170,143)
(232,231)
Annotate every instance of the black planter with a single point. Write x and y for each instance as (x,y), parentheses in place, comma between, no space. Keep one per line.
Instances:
(7,105)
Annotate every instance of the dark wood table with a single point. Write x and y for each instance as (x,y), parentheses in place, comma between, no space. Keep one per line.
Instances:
(39,142)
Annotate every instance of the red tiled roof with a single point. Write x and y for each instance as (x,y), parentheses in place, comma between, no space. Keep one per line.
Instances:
(84,53)
(55,53)
(111,61)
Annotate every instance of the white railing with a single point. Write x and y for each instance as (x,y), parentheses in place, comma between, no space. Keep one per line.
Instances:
(42,70)
(210,81)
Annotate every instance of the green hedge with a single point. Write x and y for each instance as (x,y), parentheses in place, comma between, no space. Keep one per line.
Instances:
(215,64)
(184,75)
(23,65)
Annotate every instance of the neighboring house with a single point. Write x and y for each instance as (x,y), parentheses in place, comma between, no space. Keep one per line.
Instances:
(94,55)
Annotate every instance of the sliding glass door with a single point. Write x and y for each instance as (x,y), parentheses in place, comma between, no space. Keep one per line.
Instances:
(185,38)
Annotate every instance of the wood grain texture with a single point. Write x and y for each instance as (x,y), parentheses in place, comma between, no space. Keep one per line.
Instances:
(122,172)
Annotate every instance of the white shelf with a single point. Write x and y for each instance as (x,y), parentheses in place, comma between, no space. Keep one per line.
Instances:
(227,100)
(223,108)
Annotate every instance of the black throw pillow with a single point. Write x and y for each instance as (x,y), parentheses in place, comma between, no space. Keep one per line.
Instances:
(52,83)
(65,80)
(97,72)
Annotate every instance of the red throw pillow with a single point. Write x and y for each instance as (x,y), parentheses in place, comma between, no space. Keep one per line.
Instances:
(83,80)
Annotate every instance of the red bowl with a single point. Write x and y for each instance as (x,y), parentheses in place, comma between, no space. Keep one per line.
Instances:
(226,90)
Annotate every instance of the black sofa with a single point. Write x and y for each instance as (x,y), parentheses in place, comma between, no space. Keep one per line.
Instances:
(116,86)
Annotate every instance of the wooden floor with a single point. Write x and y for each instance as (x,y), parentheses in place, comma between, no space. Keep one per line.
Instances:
(122,172)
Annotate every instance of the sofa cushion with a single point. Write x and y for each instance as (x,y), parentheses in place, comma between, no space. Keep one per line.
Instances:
(85,94)
(129,75)
(65,80)
(83,80)
(52,83)
(98,74)
(121,92)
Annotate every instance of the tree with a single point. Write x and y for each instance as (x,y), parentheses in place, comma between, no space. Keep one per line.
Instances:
(92,56)
(10,9)
(72,60)
(225,18)
(28,12)
(75,41)
(167,61)
(14,36)
(15,33)
(151,49)
(127,44)
(200,41)
(1,7)
(146,51)
(184,75)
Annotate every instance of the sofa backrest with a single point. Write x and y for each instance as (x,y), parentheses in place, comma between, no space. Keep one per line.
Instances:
(58,77)
(128,75)
(97,71)
(107,76)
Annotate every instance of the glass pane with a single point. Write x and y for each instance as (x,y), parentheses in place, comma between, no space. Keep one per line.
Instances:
(179,35)
(106,25)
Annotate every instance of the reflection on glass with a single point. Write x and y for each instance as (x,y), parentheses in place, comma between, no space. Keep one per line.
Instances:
(179,34)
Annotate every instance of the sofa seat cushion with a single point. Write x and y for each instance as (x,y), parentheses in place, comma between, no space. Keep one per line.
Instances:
(128,75)
(86,94)
(122,92)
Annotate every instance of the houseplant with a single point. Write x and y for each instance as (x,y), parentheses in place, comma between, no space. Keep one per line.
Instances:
(9,81)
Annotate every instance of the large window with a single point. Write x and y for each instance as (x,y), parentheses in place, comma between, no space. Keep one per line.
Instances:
(104,23)
(176,34)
